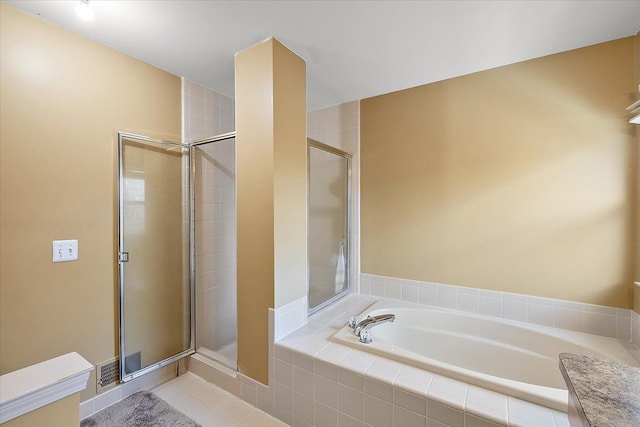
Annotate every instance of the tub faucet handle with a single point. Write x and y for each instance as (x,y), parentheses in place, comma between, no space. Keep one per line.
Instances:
(353,321)
(365,336)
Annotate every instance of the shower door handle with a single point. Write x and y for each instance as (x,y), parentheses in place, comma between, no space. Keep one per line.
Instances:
(123,257)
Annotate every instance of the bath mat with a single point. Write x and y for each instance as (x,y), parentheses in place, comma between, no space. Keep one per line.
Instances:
(140,409)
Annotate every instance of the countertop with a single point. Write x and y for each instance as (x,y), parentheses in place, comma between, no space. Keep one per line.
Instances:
(601,392)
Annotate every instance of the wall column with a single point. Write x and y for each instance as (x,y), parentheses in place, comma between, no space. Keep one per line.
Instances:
(271,194)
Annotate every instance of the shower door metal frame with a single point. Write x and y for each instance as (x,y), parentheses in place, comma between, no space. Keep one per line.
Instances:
(347,289)
(122,257)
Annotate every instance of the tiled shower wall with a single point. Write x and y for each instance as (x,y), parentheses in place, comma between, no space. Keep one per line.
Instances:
(208,113)
(339,127)
(215,226)
(205,112)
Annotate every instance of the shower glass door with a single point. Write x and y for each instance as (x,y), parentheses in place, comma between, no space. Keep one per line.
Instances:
(154,254)
(328,224)
(214,199)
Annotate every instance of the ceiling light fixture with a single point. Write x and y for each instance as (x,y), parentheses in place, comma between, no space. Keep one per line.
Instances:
(83,9)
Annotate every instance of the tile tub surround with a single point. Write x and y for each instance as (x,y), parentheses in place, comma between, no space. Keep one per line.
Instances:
(622,324)
(318,382)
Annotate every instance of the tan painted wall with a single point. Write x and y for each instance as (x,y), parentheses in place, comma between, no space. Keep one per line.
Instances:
(63,100)
(63,413)
(271,192)
(517,179)
(290,175)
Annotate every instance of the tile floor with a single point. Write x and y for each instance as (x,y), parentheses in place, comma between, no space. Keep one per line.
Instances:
(210,406)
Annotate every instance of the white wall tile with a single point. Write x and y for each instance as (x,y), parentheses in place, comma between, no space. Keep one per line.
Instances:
(326,369)
(471,421)
(357,361)
(303,382)
(345,420)
(410,401)
(326,391)
(378,389)
(284,416)
(566,318)
(377,412)
(414,380)
(433,423)
(468,300)
(447,391)
(333,353)
(325,416)
(350,401)
(444,414)
(540,314)
(491,305)
(382,369)
(526,413)
(303,361)
(298,422)
(623,328)
(283,397)
(410,292)
(248,393)
(393,290)
(377,287)
(600,324)
(283,372)
(429,294)
(405,418)
(290,317)
(514,307)
(487,404)
(544,311)
(351,379)
(448,297)
(592,308)
(265,400)
(365,285)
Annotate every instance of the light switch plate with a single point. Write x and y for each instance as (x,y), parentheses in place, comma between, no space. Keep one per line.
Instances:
(65,250)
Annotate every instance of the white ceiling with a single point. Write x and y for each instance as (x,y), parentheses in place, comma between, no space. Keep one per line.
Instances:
(353,49)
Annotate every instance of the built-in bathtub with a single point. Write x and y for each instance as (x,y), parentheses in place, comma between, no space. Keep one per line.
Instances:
(513,358)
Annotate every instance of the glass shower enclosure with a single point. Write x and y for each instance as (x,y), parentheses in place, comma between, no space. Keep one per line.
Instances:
(153,254)
(328,223)
(176,251)
(213,175)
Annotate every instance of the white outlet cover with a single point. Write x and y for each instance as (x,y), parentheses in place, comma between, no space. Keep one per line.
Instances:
(65,250)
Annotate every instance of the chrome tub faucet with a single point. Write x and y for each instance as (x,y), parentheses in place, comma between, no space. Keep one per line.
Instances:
(362,329)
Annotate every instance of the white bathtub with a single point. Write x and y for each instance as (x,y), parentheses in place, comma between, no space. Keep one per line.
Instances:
(513,358)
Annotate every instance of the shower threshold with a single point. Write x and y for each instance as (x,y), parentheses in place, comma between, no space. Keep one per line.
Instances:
(225,355)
